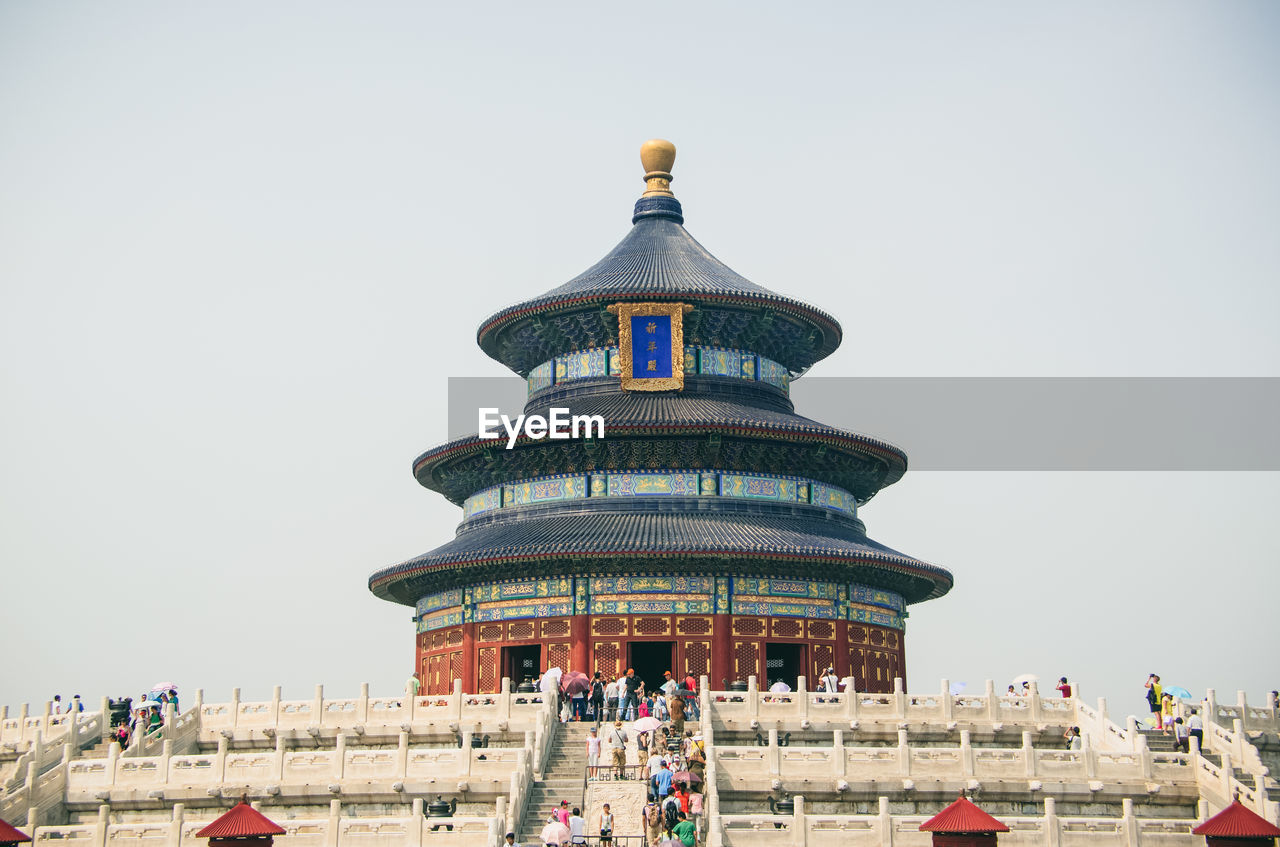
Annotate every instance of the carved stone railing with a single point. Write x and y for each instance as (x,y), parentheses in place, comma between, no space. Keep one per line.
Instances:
(811,830)
(282,772)
(803,708)
(412,830)
(370,716)
(757,768)
(19,733)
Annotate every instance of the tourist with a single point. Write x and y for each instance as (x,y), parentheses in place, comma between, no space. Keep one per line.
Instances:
(562,813)
(618,747)
(611,700)
(173,698)
(597,697)
(511,836)
(77,705)
(1064,688)
(1011,692)
(593,752)
(691,696)
(577,827)
(1181,740)
(829,684)
(1195,729)
(660,710)
(684,830)
(644,706)
(156,721)
(677,716)
(1153,698)
(1166,712)
(662,781)
(652,822)
(652,765)
(1076,741)
(57,704)
(606,826)
(634,690)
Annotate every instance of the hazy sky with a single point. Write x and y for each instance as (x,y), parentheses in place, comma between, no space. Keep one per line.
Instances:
(243,245)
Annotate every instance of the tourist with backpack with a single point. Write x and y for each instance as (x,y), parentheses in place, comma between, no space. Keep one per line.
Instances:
(597,698)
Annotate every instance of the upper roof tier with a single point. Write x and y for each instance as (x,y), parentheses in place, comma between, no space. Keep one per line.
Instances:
(660,261)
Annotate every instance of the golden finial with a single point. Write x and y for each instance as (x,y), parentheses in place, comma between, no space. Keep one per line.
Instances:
(657,155)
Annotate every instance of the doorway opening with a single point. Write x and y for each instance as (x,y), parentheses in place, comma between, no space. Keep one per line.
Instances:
(651,659)
(522,664)
(783,662)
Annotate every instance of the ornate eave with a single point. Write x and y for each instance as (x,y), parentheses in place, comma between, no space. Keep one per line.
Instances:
(792,542)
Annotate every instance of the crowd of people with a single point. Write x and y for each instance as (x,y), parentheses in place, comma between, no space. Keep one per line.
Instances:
(671,759)
(146,717)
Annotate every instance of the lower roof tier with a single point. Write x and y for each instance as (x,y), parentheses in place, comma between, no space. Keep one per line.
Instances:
(669,430)
(686,534)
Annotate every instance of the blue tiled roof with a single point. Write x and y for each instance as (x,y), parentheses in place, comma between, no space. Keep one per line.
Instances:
(785,540)
(660,260)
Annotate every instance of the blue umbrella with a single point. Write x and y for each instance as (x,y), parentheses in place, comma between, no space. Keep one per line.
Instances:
(1177,691)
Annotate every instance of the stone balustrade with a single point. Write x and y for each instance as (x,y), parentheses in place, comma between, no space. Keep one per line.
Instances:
(339,770)
(18,734)
(1252,718)
(803,709)
(368,716)
(837,768)
(1050,830)
(333,830)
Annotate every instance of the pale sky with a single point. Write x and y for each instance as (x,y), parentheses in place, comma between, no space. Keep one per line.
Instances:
(242,246)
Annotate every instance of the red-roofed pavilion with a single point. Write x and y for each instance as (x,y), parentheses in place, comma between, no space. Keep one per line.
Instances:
(1237,826)
(10,835)
(241,824)
(962,824)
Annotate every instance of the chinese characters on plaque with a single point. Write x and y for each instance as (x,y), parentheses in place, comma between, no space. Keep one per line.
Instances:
(651,345)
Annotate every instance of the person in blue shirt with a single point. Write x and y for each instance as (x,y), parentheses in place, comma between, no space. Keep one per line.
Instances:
(662,781)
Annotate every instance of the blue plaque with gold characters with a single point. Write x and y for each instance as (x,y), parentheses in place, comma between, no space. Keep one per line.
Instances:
(651,345)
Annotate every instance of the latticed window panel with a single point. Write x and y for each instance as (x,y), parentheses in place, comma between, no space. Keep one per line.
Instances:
(555,629)
(788,627)
(520,630)
(857,635)
(748,626)
(488,665)
(822,629)
(490,632)
(437,641)
(455,637)
(746,659)
(697,657)
(652,626)
(609,626)
(455,667)
(608,659)
(693,626)
(558,656)
(823,657)
(877,637)
(891,639)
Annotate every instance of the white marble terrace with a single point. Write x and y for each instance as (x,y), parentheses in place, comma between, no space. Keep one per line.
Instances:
(354,771)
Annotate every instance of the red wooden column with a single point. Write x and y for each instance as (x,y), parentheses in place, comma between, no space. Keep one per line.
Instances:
(470,659)
(580,649)
(721,656)
(841,658)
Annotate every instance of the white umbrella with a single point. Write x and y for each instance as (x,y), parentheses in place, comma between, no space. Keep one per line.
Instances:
(780,687)
(163,686)
(646,724)
(555,833)
(957,688)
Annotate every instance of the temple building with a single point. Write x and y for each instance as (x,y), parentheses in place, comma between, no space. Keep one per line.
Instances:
(711,530)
